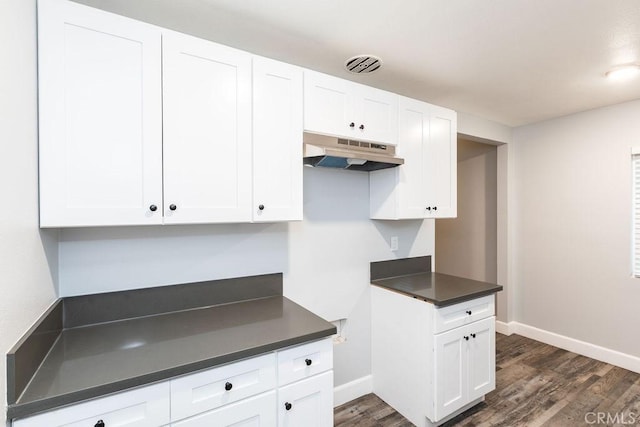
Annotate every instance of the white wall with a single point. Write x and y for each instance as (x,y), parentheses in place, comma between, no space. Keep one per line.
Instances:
(477,129)
(466,246)
(28,258)
(325,258)
(573,226)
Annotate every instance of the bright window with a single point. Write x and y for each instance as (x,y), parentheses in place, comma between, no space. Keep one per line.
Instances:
(635,162)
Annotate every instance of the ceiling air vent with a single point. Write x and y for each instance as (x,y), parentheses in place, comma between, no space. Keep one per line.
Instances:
(363,64)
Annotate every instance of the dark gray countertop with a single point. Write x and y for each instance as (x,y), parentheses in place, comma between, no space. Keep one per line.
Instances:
(94,360)
(438,289)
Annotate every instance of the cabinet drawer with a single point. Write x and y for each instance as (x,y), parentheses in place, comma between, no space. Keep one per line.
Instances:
(255,411)
(207,390)
(142,407)
(300,362)
(466,312)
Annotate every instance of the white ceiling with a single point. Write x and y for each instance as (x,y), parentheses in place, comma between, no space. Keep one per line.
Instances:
(511,61)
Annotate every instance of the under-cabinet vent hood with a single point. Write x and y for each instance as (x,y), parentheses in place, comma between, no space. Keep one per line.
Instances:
(327,151)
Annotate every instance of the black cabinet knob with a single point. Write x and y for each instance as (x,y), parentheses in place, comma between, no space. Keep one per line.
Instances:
(308,362)
(428,208)
(288,406)
(473,335)
(153,208)
(361,127)
(228,386)
(173,207)
(352,125)
(466,338)
(435,208)
(468,312)
(100,423)
(261,207)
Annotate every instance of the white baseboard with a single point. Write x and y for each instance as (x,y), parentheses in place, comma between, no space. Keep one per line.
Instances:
(352,390)
(584,348)
(504,328)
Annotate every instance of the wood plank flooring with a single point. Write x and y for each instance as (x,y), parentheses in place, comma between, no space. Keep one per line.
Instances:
(536,385)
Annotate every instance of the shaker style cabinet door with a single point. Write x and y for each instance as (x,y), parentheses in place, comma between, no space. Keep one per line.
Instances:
(464,365)
(277,141)
(441,163)
(100,117)
(328,105)
(207,131)
(451,370)
(341,108)
(377,115)
(414,186)
(425,185)
(482,358)
(307,403)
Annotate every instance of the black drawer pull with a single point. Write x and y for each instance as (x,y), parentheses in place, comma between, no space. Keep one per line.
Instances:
(308,362)
(228,386)
(100,423)
(468,312)
(288,406)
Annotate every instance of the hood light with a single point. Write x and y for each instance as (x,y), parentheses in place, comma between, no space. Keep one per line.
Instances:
(352,161)
(623,72)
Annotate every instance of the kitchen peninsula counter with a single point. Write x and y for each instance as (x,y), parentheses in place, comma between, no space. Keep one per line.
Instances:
(413,277)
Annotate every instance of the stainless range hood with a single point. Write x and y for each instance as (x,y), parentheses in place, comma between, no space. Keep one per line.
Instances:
(327,151)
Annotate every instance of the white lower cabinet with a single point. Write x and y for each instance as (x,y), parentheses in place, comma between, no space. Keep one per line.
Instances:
(307,403)
(257,411)
(289,387)
(142,407)
(464,366)
(431,363)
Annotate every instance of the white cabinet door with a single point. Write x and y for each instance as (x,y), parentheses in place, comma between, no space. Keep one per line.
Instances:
(413,185)
(277,141)
(425,186)
(328,105)
(100,117)
(207,131)
(464,365)
(450,372)
(307,403)
(482,358)
(258,411)
(338,107)
(376,115)
(143,407)
(441,163)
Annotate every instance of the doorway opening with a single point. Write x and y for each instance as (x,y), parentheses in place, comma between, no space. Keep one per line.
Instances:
(467,246)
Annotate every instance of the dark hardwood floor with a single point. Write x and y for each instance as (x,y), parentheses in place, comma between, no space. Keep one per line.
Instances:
(536,385)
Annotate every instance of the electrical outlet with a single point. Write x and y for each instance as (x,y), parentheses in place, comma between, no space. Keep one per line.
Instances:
(394,243)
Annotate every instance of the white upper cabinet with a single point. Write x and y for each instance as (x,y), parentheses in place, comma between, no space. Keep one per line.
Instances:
(277,141)
(425,186)
(442,172)
(207,131)
(341,108)
(100,118)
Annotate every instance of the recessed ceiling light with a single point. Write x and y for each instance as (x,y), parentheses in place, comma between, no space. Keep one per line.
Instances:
(363,64)
(623,72)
